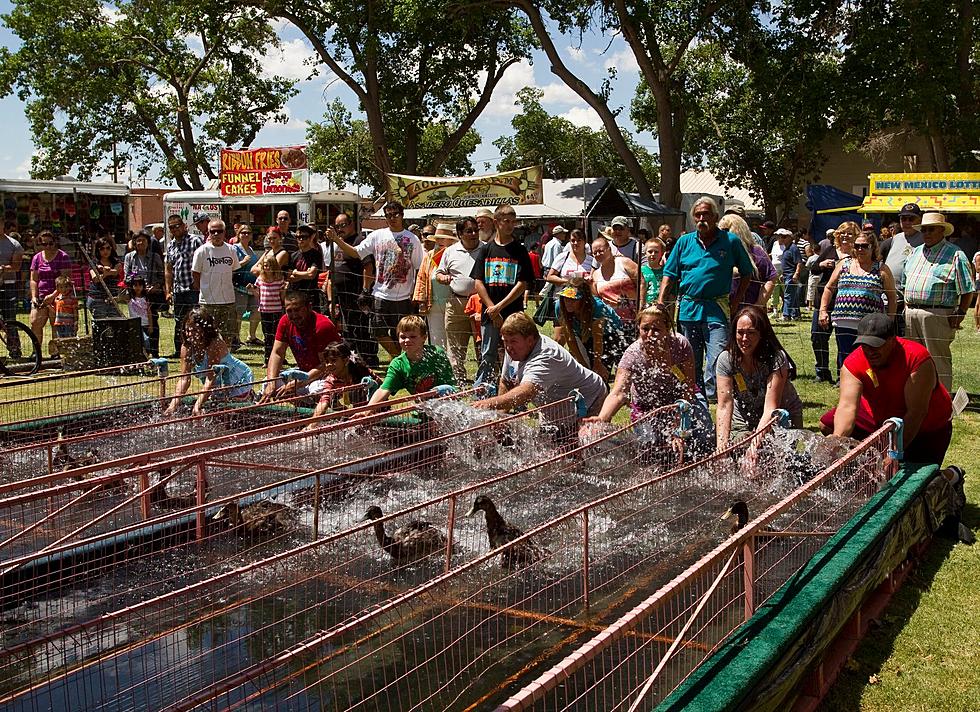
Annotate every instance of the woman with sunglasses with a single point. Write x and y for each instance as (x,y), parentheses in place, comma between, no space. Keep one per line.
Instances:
(244,282)
(46,266)
(106,271)
(856,288)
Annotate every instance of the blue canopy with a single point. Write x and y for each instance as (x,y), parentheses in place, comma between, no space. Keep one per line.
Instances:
(830,206)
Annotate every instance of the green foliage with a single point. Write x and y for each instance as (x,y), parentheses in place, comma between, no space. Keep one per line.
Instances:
(341,149)
(418,72)
(911,65)
(171,83)
(560,146)
(757,114)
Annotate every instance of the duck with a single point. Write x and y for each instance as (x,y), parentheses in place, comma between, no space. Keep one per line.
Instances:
(262,518)
(63,460)
(739,513)
(499,533)
(415,540)
(160,497)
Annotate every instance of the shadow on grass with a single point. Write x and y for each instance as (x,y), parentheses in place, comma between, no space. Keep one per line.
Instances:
(879,642)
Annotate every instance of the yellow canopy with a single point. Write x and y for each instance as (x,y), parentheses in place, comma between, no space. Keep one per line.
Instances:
(944,203)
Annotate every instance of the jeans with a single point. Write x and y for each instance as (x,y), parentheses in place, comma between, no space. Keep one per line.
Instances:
(183,302)
(707,341)
(845,345)
(486,372)
(820,339)
(791,299)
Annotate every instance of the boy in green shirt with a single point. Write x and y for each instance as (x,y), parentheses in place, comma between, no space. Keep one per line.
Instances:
(420,366)
(652,269)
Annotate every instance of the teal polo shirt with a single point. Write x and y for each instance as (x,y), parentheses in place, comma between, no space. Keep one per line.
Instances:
(704,275)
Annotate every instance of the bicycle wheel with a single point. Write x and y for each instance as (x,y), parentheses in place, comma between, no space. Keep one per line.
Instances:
(20,353)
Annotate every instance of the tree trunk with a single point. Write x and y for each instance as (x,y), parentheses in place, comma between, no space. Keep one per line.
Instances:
(670,148)
(598,104)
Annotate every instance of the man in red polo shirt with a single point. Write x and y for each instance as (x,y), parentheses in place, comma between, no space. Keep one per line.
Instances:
(891,377)
(305,333)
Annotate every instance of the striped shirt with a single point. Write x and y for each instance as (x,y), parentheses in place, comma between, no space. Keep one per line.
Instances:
(270,296)
(857,295)
(180,256)
(937,276)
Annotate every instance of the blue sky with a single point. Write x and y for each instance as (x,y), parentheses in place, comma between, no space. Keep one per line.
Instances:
(588,59)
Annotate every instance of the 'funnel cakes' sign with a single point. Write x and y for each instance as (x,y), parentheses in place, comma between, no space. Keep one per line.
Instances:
(264,171)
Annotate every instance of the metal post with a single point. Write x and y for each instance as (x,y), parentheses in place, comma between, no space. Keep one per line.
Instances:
(450,527)
(585,558)
(896,439)
(163,368)
(145,499)
(684,427)
(316,506)
(783,415)
(201,492)
(748,575)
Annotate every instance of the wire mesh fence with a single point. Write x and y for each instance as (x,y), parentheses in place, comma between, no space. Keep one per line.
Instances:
(646,653)
(336,577)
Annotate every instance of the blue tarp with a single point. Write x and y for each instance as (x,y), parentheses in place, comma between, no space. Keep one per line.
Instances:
(825,197)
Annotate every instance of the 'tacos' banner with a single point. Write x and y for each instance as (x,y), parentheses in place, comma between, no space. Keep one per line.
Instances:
(520,187)
(264,171)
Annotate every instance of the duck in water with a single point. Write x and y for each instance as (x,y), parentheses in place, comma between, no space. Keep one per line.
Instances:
(500,533)
(415,540)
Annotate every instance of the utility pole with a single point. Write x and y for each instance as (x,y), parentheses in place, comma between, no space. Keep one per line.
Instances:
(115,164)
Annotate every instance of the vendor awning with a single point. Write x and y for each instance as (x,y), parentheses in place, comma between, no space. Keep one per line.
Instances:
(942,202)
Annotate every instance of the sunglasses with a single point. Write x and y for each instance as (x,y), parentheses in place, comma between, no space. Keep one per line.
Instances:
(861,246)
(216,232)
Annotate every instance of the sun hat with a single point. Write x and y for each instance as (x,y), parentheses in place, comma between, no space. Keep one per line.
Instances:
(932,219)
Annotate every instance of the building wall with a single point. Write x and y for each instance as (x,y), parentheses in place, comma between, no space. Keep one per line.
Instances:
(849,170)
(146,206)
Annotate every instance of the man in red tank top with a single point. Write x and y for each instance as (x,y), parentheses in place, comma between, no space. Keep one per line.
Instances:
(891,377)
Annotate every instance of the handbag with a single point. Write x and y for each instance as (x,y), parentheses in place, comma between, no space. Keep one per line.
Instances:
(545,310)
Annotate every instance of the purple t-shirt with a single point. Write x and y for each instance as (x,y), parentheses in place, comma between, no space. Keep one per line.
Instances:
(654,383)
(766,272)
(47,272)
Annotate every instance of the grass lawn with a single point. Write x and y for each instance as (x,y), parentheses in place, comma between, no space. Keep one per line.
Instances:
(924,654)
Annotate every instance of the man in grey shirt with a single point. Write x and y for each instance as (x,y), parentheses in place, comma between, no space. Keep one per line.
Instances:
(895,250)
(538,370)
(454,270)
(11,255)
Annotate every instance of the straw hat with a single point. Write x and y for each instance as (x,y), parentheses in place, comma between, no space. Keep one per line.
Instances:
(936,219)
(445,233)
(607,232)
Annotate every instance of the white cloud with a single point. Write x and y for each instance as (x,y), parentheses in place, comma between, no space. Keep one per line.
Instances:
(622,61)
(583,116)
(295,59)
(292,123)
(558,94)
(23,169)
(516,77)
(578,55)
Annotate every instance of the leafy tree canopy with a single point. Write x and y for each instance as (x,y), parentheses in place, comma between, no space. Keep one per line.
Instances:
(169,82)
(341,148)
(561,146)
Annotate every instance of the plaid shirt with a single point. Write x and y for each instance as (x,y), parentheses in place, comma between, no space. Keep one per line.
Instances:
(937,276)
(180,256)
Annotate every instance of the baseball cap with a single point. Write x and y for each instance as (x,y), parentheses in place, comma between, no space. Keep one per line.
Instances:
(910,209)
(484,213)
(620,220)
(784,231)
(735,210)
(558,230)
(874,330)
(769,224)
(307,229)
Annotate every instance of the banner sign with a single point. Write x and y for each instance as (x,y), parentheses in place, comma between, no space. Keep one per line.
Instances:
(264,171)
(925,183)
(520,187)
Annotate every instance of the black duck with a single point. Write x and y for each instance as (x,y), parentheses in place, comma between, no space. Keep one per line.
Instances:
(412,541)
(499,533)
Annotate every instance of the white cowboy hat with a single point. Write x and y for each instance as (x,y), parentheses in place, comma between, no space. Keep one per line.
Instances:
(936,219)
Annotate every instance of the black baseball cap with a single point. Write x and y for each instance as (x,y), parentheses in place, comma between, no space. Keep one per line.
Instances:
(874,330)
(910,209)
(307,229)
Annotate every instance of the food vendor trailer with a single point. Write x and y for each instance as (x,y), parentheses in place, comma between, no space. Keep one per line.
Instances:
(260,211)
(948,193)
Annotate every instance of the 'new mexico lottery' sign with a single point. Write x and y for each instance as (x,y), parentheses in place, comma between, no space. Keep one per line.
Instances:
(264,171)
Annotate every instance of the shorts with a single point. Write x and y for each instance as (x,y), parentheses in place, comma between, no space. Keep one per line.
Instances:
(245,302)
(386,316)
(225,319)
(65,331)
